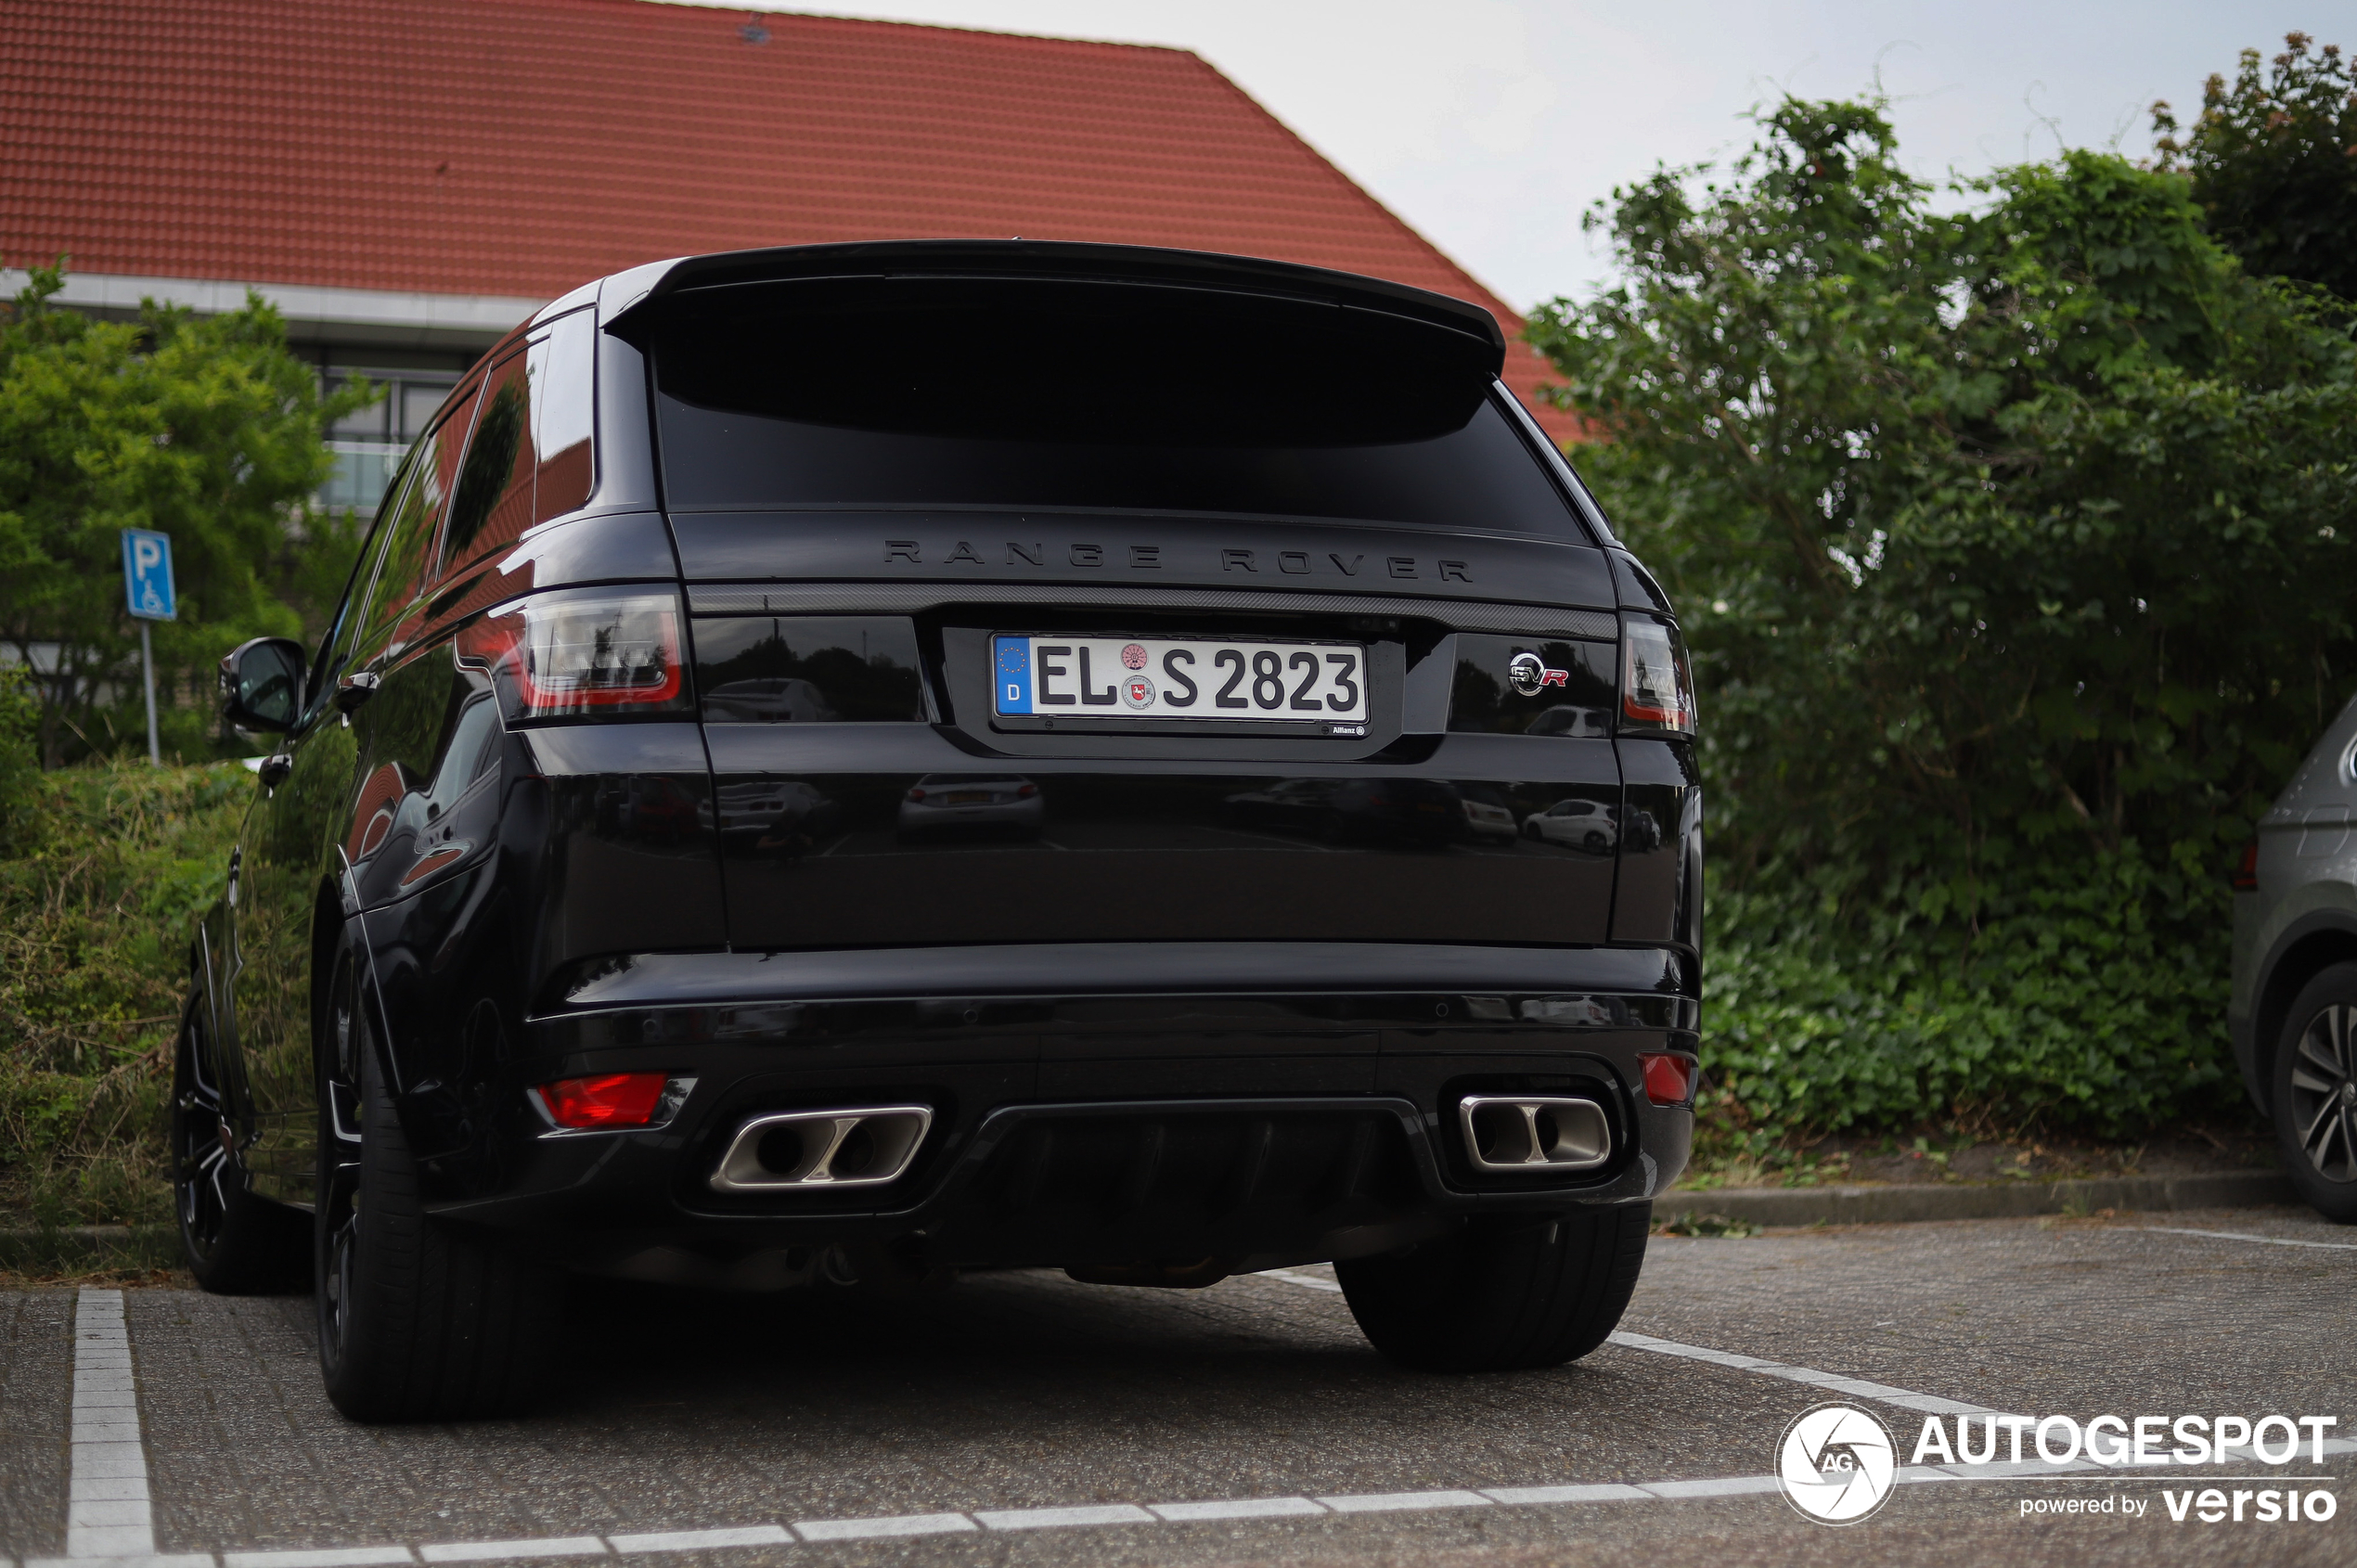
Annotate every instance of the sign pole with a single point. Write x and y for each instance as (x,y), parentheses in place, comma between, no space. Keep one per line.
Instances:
(148,662)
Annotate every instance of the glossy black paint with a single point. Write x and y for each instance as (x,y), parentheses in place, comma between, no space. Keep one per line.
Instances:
(1205,942)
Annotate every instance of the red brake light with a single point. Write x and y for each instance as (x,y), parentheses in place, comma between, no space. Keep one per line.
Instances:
(1669,1077)
(2245,877)
(611,1099)
(1026,791)
(567,653)
(916,794)
(1656,686)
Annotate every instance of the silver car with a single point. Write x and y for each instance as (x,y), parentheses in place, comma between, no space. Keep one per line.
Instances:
(979,803)
(2294,1010)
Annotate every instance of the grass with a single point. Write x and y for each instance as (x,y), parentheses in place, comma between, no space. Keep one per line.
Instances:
(103,872)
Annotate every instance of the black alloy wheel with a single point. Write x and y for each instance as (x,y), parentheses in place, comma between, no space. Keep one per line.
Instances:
(202,1165)
(2315,1093)
(337,1191)
(235,1243)
(419,1320)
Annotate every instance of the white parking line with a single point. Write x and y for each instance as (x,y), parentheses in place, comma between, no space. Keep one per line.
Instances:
(898,1524)
(2239,1236)
(1857,1388)
(1060,1518)
(1235,1507)
(102,1346)
(1403,1502)
(1102,1514)
(1311,1281)
(500,1552)
(107,1490)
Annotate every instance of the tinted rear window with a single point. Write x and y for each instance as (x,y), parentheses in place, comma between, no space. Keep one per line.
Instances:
(997,393)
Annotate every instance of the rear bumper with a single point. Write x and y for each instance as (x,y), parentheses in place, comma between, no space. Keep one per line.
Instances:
(1103,1104)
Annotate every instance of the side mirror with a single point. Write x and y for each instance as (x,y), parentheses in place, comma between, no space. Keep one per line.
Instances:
(262,684)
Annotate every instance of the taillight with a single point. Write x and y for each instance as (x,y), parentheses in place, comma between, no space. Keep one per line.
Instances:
(1656,686)
(2245,877)
(611,1099)
(555,655)
(916,794)
(1025,792)
(1669,1077)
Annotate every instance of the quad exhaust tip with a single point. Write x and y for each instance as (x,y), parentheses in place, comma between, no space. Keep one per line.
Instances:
(798,1150)
(1527,1135)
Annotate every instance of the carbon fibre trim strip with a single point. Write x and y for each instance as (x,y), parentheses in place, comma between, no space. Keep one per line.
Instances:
(888,599)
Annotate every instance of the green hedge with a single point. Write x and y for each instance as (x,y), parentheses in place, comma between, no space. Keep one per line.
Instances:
(2070,1005)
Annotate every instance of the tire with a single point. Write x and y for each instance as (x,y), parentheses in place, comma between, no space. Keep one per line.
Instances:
(1502,1295)
(418,1320)
(237,1244)
(2314,1093)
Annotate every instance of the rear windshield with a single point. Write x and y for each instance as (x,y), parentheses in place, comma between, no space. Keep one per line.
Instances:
(871,392)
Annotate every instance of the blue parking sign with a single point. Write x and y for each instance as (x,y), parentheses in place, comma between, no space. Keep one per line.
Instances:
(146,573)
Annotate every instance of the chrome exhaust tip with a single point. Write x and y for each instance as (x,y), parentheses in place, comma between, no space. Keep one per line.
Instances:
(1524,1135)
(794,1150)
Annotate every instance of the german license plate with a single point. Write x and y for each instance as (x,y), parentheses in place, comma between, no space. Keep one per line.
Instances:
(1164,679)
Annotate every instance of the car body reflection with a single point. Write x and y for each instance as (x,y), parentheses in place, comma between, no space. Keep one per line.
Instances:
(1415,811)
(1488,816)
(643,805)
(781,817)
(971,804)
(1565,719)
(1576,824)
(768,700)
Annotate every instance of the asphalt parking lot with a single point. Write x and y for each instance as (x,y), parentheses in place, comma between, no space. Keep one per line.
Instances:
(1020,1418)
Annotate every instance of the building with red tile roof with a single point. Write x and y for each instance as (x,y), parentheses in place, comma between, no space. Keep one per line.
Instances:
(408,181)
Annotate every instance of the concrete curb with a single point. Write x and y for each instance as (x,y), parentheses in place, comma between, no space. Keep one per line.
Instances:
(1909,1203)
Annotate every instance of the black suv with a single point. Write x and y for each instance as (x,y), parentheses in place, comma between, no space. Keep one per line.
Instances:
(845,764)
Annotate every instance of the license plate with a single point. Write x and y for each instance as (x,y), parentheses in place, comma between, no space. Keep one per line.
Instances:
(1168,678)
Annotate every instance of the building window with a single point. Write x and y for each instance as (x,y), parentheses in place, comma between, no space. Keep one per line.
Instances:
(367,446)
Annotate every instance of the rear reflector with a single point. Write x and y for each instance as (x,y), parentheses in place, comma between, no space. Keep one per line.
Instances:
(2245,877)
(1669,1078)
(612,1099)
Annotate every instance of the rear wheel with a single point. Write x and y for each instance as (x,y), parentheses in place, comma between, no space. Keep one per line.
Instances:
(237,1244)
(1501,1294)
(419,1320)
(2315,1093)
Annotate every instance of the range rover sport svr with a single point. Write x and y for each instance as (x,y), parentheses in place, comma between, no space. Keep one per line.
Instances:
(845,764)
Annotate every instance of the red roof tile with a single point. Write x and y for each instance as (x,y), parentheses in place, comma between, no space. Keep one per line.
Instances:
(522,147)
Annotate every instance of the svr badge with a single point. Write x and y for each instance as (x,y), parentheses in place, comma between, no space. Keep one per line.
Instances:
(1528,673)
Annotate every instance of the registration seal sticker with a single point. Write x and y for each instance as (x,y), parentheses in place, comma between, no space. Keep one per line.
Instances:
(1138,691)
(1133,657)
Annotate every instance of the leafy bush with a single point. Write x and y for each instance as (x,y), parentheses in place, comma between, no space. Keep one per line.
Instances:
(102,875)
(2014,546)
(2270,161)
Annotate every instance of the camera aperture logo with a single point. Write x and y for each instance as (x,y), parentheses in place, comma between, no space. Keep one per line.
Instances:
(1837,1463)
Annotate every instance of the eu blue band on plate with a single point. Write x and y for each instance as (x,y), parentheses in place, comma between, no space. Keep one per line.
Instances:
(1014,675)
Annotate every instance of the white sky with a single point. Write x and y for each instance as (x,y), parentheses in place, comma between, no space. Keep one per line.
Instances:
(1491,125)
